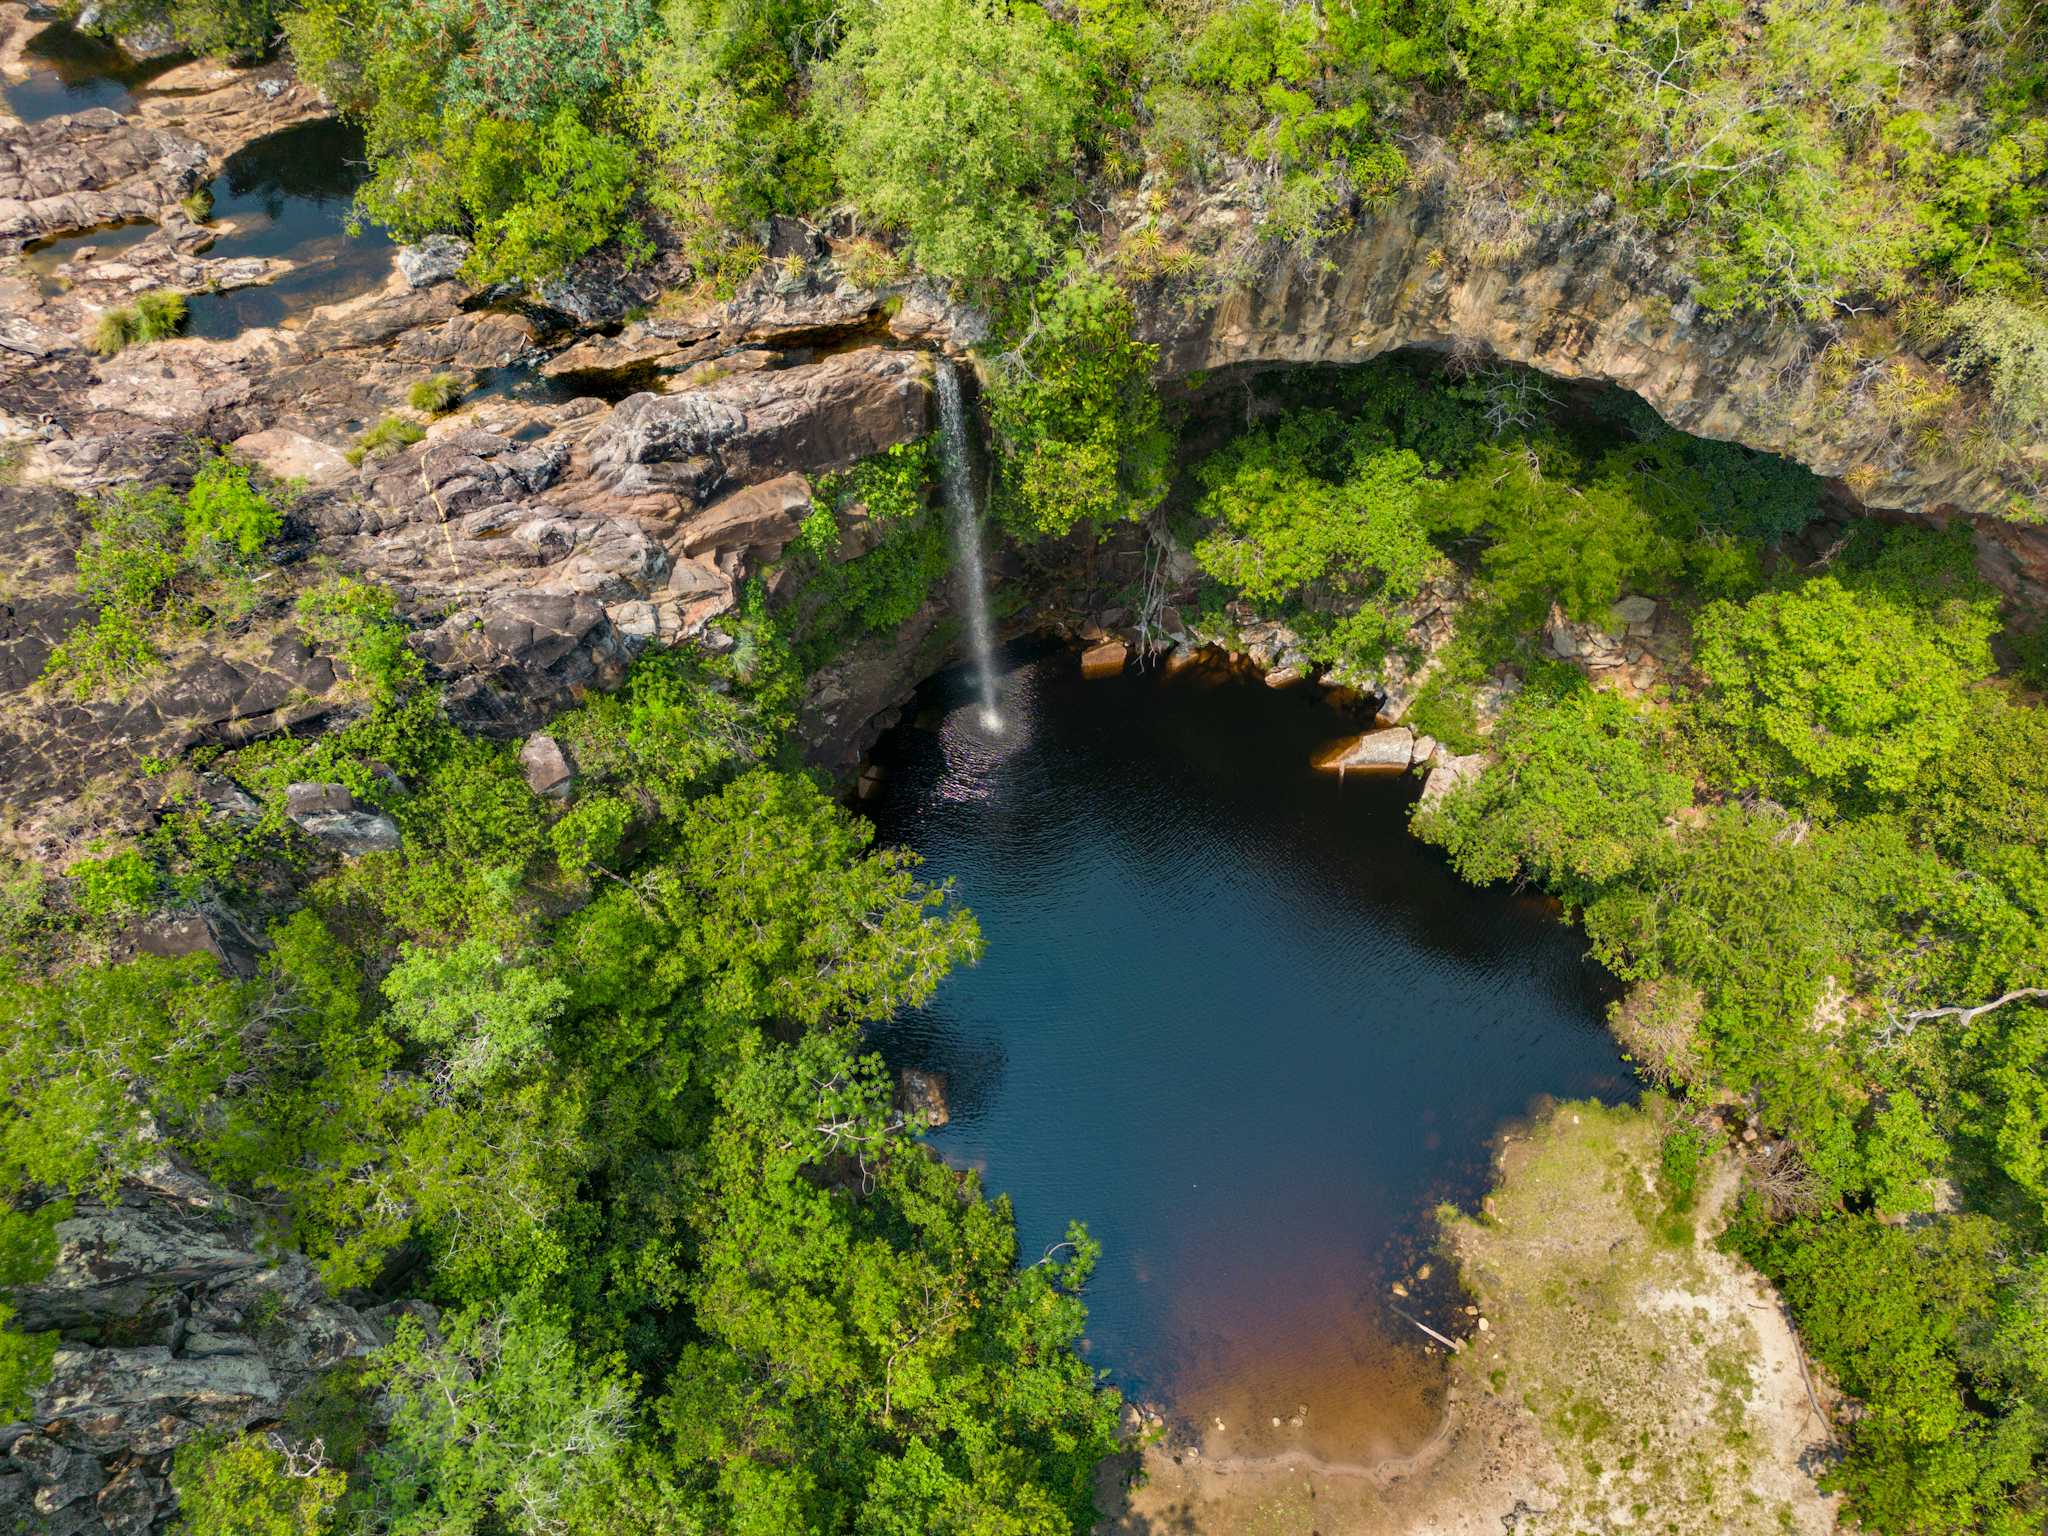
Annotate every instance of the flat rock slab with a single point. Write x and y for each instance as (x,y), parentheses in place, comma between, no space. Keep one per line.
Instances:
(1104,660)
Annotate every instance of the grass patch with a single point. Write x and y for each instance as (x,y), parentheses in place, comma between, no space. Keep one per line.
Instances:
(387,436)
(435,395)
(152,317)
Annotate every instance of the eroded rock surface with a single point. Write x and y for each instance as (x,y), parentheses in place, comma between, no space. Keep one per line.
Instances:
(173,1319)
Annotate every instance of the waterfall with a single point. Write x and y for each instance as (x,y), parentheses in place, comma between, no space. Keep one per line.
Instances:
(963,513)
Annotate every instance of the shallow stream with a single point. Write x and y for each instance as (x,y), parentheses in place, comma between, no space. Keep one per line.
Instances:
(1238,1021)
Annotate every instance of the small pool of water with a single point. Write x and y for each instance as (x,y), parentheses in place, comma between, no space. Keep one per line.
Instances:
(44,257)
(289,195)
(70,71)
(1238,1021)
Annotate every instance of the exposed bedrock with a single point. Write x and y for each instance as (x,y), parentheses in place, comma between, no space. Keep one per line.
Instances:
(172,1318)
(1589,298)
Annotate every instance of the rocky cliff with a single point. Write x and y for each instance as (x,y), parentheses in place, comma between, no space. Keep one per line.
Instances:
(1589,298)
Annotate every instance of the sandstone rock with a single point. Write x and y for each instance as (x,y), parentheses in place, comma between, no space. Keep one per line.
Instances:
(294,456)
(1105,659)
(546,767)
(330,813)
(1451,772)
(761,516)
(1635,610)
(1285,676)
(752,427)
(1425,749)
(1389,750)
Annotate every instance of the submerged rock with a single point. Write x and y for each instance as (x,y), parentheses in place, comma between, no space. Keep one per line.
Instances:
(1104,660)
(921,1096)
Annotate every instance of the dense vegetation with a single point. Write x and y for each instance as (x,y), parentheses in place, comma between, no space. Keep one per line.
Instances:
(1814,848)
(1841,160)
(586,1076)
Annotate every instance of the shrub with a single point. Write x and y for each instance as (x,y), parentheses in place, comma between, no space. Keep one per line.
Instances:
(435,395)
(2005,341)
(116,885)
(359,623)
(225,515)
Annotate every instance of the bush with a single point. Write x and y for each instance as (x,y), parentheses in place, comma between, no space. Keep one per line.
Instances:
(226,517)
(117,885)
(152,317)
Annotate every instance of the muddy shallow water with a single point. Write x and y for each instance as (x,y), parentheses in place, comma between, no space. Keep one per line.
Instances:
(1235,1019)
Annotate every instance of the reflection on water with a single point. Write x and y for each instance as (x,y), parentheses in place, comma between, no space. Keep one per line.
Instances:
(70,72)
(289,195)
(44,257)
(1234,1018)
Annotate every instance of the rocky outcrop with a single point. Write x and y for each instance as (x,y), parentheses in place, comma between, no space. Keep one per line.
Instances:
(682,448)
(172,1319)
(1586,298)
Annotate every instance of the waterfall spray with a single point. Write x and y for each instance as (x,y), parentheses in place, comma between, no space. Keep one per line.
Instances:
(963,512)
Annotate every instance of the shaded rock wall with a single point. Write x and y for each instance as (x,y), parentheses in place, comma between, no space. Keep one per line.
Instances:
(1586,299)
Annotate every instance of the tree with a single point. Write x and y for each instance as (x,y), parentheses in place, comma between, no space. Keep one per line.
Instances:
(1077,422)
(959,122)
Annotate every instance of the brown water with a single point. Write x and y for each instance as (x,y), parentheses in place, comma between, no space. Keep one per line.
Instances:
(1238,1021)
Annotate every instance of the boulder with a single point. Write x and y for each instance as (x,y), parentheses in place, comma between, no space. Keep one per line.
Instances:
(1383,751)
(294,456)
(921,1097)
(1104,660)
(547,767)
(436,259)
(760,517)
(332,814)
(1452,772)
(749,427)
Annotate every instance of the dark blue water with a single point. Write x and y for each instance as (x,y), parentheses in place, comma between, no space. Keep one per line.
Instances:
(290,195)
(1238,1021)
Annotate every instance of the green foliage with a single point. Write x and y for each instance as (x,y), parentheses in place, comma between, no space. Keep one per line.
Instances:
(28,1251)
(473,1009)
(1076,419)
(1578,797)
(959,122)
(1891,1313)
(897,1370)
(435,395)
(117,885)
(226,517)
(881,588)
(97,1061)
(156,316)
(1842,691)
(358,624)
(496,1425)
(1680,1157)
(388,434)
(241,1485)
(146,551)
